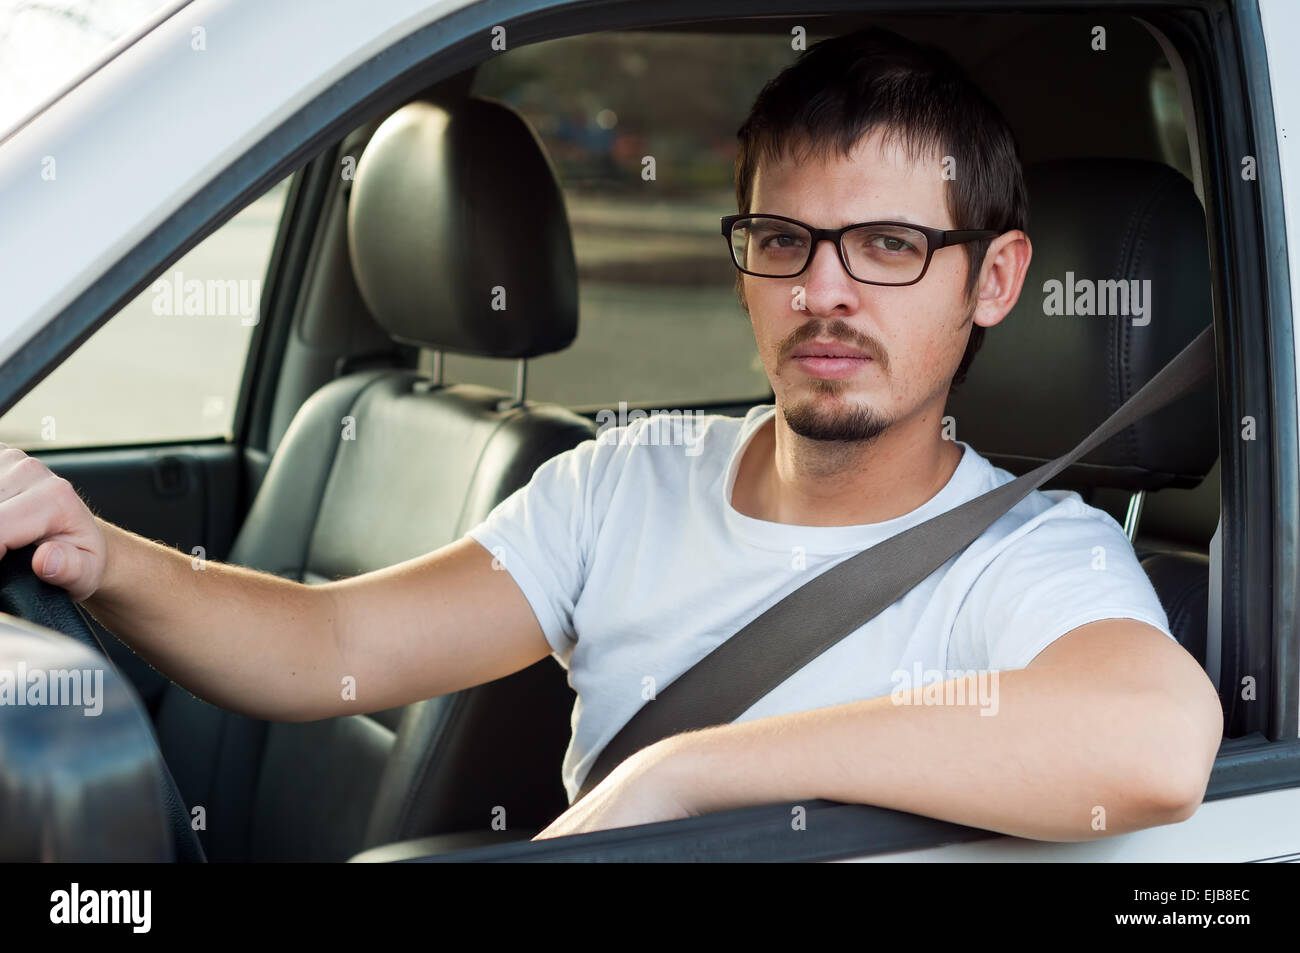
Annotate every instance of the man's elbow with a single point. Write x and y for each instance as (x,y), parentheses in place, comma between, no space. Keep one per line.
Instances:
(1175,803)
(1182,752)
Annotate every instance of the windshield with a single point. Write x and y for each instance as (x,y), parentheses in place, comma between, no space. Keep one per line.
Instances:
(46,46)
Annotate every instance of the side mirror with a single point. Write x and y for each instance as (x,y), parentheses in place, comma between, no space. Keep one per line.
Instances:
(80,772)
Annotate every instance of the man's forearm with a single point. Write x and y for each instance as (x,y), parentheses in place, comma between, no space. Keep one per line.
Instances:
(1064,758)
(247,641)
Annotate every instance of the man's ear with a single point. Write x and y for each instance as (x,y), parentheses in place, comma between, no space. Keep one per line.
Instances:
(1002,276)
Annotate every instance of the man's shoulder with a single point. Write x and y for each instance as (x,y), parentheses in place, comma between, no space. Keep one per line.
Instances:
(1062,511)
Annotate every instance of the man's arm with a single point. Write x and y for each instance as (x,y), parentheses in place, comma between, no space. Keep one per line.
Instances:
(1112,715)
(272,648)
(268,647)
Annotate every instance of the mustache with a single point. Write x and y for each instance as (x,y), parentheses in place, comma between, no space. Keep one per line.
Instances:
(841,331)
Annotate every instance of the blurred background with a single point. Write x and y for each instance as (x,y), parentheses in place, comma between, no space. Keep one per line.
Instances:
(659,321)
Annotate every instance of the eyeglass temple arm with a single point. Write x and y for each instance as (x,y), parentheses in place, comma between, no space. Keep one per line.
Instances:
(965,235)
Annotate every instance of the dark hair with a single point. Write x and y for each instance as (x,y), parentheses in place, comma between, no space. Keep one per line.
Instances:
(846,87)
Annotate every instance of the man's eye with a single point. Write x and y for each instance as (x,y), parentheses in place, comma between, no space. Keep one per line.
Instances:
(890,243)
(778,241)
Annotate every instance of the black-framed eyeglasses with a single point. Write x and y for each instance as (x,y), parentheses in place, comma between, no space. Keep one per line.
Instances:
(874,253)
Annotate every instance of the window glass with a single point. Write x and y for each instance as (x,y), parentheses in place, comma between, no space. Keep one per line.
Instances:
(641,130)
(168,366)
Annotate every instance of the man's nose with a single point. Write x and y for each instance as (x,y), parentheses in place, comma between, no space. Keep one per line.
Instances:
(826,276)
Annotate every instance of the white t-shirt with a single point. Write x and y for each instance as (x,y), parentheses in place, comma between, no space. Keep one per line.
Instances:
(637,566)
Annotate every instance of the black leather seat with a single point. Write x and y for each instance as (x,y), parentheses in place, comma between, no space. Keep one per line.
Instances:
(450,203)
(1042,382)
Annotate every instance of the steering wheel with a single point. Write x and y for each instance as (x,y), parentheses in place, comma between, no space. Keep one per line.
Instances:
(29,597)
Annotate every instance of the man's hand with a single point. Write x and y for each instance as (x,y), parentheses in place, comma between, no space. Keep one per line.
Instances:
(643,789)
(37,506)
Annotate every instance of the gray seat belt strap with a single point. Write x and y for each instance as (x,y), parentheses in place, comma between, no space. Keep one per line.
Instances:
(723,685)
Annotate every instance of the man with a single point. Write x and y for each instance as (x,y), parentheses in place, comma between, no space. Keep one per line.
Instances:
(630,559)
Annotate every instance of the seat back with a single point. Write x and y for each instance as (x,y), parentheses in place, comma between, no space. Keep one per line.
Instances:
(379,467)
(1118,284)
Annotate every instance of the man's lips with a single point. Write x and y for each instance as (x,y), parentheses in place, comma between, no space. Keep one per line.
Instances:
(832,361)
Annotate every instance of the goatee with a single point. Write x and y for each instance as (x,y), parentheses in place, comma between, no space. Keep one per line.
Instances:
(848,424)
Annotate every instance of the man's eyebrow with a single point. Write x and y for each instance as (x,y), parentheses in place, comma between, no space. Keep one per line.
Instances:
(843,222)
(894,217)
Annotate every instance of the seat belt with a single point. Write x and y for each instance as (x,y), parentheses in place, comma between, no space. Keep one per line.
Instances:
(723,685)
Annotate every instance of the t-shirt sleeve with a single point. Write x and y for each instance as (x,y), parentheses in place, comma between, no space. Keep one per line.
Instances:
(1065,572)
(543,534)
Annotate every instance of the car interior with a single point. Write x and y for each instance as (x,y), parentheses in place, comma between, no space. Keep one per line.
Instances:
(447,395)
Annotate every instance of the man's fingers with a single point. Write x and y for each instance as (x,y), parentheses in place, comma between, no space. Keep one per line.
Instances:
(22,522)
(53,562)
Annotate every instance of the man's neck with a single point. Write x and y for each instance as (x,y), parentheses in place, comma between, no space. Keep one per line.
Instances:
(785,478)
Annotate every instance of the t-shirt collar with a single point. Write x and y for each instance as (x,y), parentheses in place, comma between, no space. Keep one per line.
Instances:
(832,539)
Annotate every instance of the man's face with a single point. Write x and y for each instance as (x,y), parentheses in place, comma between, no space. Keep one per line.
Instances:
(858,358)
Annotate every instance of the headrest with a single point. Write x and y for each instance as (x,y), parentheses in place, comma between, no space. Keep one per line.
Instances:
(1108,235)
(458,234)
